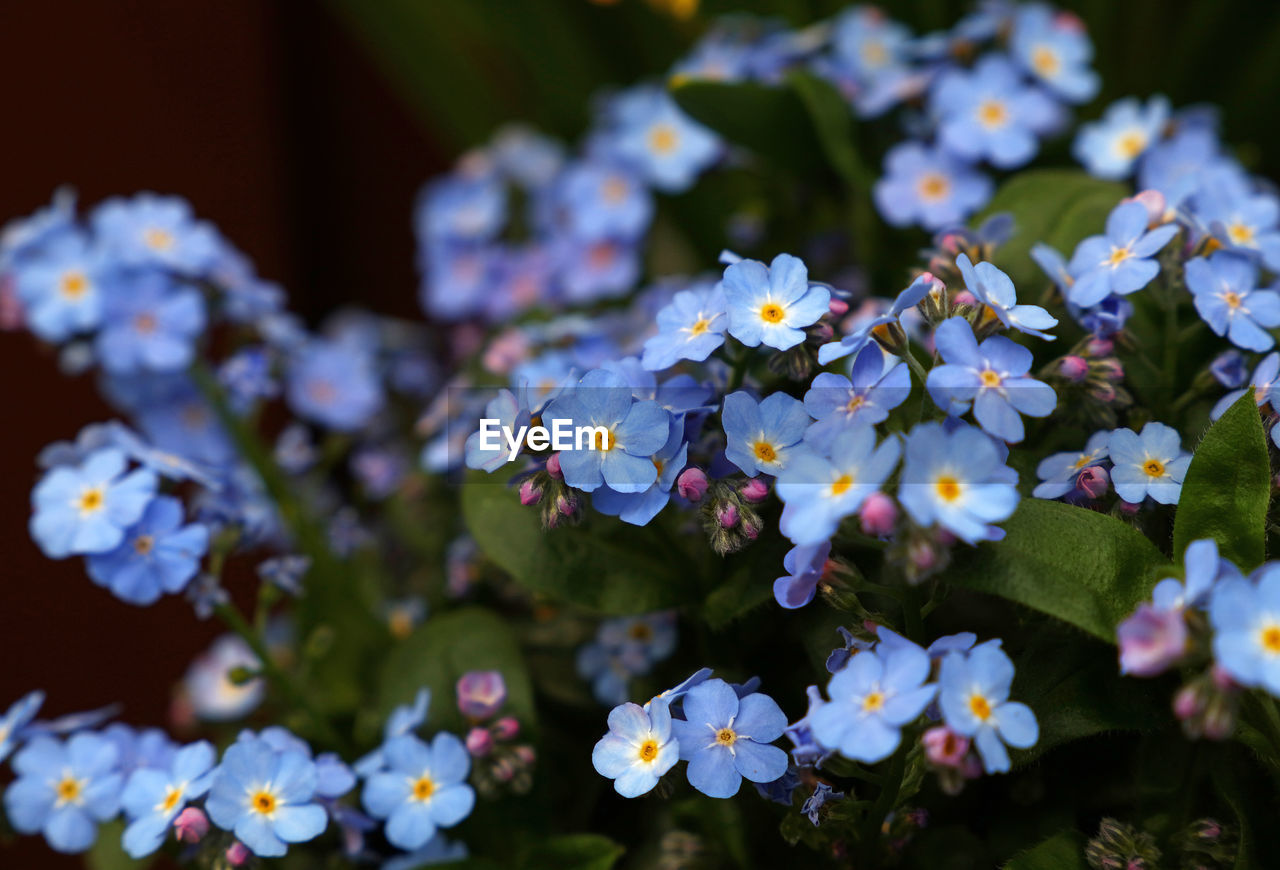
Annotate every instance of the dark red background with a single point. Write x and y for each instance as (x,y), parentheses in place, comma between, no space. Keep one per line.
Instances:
(270,119)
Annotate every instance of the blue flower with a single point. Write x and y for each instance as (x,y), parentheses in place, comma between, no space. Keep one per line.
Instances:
(805,567)
(725,738)
(690,327)
(638,749)
(266,798)
(870,43)
(819,493)
(957,480)
(1227,296)
(424,790)
(929,187)
(602,269)
(86,508)
(1231,370)
(1265,385)
(16,719)
(1240,217)
(638,508)
(602,201)
(149,324)
(151,230)
(1151,464)
(988,112)
(60,287)
(823,794)
(64,789)
(404,719)
(512,415)
(334,384)
(1245,615)
(973,693)
(456,279)
(993,376)
(772,305)
(994,289)
(1054,47)
(1184,165)
(1109,147)
(1203,567)
(921,287)
(1059,472)
(1120,262)
(871,699)
(209,687)
(763,437)
(634,432)
(877,384)
(465,206)
(153,798)
(158,555)
(665,145)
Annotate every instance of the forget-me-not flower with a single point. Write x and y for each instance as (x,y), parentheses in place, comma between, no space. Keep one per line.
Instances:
(726,738)
(994,289)
(805,566)
(1151,464)
(638,749)
(1122,261)
(957,480)
(1058,473)
(772,305)
(334,384)
(1054,47)
(653,134)
(149,324)
(1264,384)
(1109,147)
(158,555)
(86,508)
(855,341)
(690,327)
(424,789)
(989,113)
(265,797)
(762,437)
(64,789)
(929,187)
(973,694)
(153,798)
(877,384)
(1245,615)
(1227,295)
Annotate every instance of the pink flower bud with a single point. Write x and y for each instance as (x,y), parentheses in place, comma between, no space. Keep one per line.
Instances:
(1074,368)
(944,747)
(506,728)
(191,825)
(1222,680)
(727,515)
(1187,703)
(479,742)
(1153,202)
(964,297)
(1100,347)
(480,693)
(838,307)
(237,854)
(526,755)
(692,484)
(878,515)
(1129,508)
(1093,481)
(1151,641)
(755,490)
(553,467)
(530,493)
(1111,369)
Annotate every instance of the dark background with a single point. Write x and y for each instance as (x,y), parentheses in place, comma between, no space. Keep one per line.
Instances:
(303,130)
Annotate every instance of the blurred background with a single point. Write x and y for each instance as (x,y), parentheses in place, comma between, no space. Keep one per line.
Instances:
(304,129)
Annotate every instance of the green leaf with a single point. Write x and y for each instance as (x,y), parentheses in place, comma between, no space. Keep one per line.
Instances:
(1082,567)
(606,565)
(1058,207)
(1062,851)
(108,854)
(1227,489)
(573,852)
(832,122)
(443,649)
(769,120)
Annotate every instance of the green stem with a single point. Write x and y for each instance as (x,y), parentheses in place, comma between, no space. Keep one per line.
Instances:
(912,613)
(916,367)
(883,806)
(739,372)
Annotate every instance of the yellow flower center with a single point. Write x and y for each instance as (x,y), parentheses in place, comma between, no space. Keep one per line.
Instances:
(992,114)
(400,622)
(841,484)
(158,239)
(700,327)
(764,451)
(771,312)
(1131,144)
(947,487)
(1270,638)
(423,788)
(610,440)
(980,707)
(1240,234)
(663,138)
(640,631)
(854,404)
(726,737)
(91,500)
(143,544)
(69,790)
(648,751)
(989,378)
(1044,60)
(1153,467)
(171,799)
(933,186)
(264,802)
(872,702)
(1233,300)
(874,54)
(1118,256)
(73,284)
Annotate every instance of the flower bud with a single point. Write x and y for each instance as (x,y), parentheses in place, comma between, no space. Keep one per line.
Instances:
(479,742)
(726,515)
(1093,481)
(525,755)
(1151,641)
(530,492)
(692,484)
(506,728)
(553,467)
(1098,347)
(1153,201)
(1129,508)
(237,854)
(838,307)
(191,825)
(480,693)
(755,490)
(1073,368)
(944,747)
(964,297)
(878,515)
